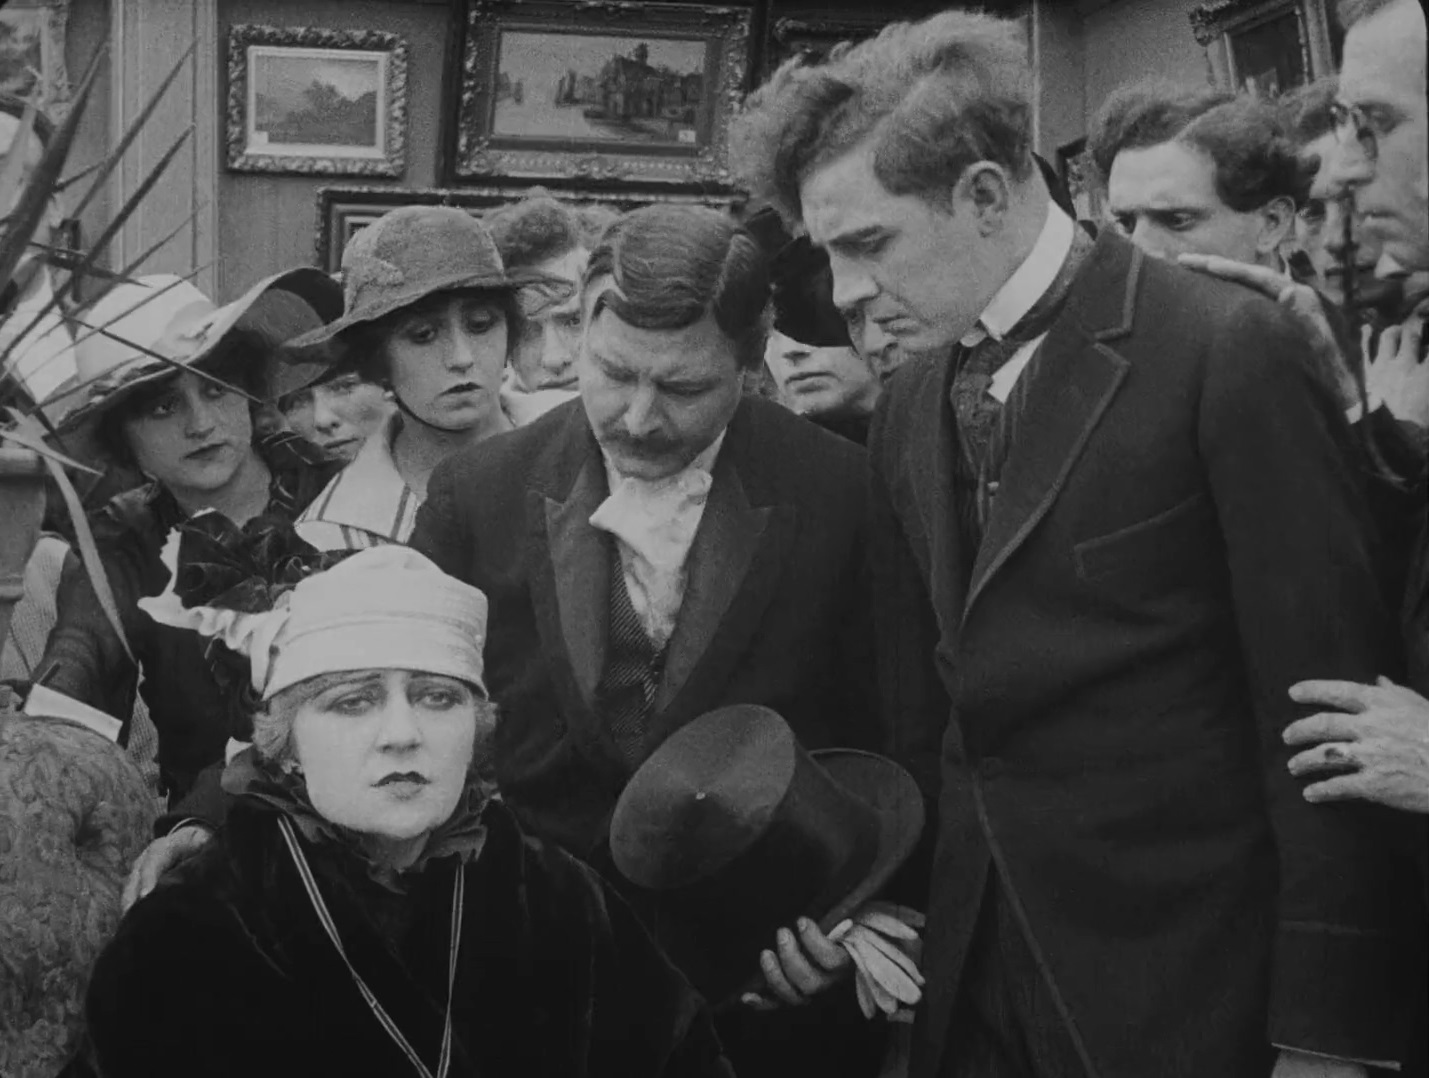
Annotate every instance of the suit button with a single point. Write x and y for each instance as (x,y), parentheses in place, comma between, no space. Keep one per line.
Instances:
(991,767)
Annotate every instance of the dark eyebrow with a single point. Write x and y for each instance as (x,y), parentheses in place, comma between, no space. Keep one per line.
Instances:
(857,238)
(343,680)
(609,364)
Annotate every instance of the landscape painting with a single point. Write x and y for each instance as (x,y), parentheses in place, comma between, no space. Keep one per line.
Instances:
(598,87)
(21,51)
(316,101)
(603,92)
(32,53)
(304,99)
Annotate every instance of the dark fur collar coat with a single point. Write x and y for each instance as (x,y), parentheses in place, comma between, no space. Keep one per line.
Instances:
(226,971)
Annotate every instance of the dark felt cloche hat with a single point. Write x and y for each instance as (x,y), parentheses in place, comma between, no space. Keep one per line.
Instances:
(412,252)
(730,831)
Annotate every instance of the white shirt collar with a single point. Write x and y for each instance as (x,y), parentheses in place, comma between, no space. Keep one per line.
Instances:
(1030,281)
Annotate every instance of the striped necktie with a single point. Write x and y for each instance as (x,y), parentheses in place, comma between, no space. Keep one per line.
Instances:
(625,694)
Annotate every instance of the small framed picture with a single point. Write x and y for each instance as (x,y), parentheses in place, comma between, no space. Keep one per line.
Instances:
(1265,47)
(812,36)
(32,52)
(314,101)
(1079,174)
(597,91)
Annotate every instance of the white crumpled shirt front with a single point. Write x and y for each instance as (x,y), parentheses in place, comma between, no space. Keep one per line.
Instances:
(654,524)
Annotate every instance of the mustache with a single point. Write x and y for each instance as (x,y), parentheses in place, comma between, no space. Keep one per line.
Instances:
(641,447)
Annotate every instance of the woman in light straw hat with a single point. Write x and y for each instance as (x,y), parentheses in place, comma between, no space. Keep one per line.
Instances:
(187,425)
(369,909)
(431,313)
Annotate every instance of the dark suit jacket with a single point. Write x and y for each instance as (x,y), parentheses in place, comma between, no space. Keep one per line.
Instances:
(775,609)
(776,612)
(1179,536)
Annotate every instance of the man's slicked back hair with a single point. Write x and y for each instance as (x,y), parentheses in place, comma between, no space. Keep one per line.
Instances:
(1145,113)
(665,267)
(932,98)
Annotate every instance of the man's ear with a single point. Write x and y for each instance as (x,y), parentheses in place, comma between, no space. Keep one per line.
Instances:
(1277,224)
(985,188)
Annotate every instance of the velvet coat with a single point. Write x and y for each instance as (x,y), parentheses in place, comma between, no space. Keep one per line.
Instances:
(1096,694)
(227,971)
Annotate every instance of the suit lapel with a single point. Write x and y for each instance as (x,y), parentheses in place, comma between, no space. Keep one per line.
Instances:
(1077,378)
(932,474)
(572,594)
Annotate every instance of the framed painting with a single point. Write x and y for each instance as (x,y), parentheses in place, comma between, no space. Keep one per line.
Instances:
(1265,47)
(314,101)
(604,90)
(343,211)
(812,36)
(1079,174)
(32,52)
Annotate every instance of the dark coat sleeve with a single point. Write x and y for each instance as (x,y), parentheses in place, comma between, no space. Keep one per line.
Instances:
(180,993)
(913,705)
(638,993)
(85,658)
(642,1018)
(206,802)
(1308,604)
(440,533)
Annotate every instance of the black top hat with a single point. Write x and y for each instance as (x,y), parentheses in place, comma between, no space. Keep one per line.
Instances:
(803,284)
(731,831)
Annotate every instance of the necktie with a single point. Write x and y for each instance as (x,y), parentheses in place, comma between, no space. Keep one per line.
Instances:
(985,428)
(633,665)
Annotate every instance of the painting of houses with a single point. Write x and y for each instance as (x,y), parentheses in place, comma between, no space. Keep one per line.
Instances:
(599,87)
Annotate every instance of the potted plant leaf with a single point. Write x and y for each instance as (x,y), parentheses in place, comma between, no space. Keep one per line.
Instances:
(74,810)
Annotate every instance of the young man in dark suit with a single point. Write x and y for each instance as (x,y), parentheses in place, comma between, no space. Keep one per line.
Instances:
(1111,528)
(661,547)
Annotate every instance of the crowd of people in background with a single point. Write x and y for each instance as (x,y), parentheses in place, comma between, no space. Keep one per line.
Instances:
(1108,536)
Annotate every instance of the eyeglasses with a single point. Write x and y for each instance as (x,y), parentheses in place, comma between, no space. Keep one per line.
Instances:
(1351,122)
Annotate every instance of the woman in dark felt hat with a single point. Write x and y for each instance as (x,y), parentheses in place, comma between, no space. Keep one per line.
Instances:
(432,314)
(823,367)
(190,432)
(369,909)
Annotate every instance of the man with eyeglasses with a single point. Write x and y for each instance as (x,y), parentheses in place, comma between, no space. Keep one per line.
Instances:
(1382,123)
(1374,741)
(1371,742)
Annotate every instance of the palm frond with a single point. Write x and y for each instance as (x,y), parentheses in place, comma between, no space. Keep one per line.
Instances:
(110,231)
(39,189)
(122,146)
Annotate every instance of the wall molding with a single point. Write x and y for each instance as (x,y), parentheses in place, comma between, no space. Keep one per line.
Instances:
(144,39)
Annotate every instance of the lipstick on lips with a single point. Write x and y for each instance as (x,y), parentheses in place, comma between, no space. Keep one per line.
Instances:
(411,777)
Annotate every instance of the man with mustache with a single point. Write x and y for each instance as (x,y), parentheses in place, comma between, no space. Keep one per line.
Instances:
(663,546)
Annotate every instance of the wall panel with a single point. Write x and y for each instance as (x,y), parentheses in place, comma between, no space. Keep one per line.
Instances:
(266,222)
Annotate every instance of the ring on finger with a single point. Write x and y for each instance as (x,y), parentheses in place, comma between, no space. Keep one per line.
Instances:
(1337,753)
